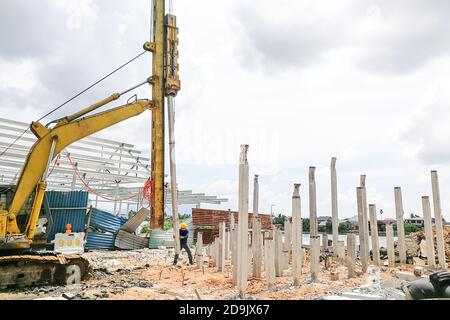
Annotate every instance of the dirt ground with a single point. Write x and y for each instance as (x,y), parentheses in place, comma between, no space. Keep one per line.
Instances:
(149,274)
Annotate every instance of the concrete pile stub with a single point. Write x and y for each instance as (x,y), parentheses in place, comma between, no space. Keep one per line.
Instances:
(428,231)
(390,244)
(287,244)
(438,220)
(314,237)
(257,248)
(351,254)
(341,252)
(315,257)
(242,238)
(221,248)
(199,251)
(269,262)
(334,205)
(401,246)
(297,235)
(374,234)
(279,258)
(324,241)
(365,217)
(361,229)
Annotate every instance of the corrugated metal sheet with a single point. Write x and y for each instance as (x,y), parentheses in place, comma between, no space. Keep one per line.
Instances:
(165,238)
(66,207)
(97,240)
(161,238)
(129,241)
(134,222)
(106,221)
(207,217)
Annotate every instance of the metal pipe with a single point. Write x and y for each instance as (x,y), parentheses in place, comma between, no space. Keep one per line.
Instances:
(49,161)
(135,87)
(93,107)
(173,173)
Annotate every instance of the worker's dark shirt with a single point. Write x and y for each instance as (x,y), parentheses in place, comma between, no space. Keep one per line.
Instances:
(185,234)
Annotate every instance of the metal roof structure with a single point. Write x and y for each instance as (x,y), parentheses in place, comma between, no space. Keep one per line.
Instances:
(112,171)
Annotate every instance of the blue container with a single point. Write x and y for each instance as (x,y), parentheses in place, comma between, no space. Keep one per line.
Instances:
(66,207)
(97,240)
(106,221)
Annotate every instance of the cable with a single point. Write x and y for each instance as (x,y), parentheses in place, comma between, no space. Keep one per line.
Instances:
(14,142)
(54,165)
(92,85)
(71,99)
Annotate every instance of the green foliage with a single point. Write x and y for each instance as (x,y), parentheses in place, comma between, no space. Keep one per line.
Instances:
(184,217)
(145,228)
(168,224)
(306,224)
(329,227)
(279,220)
(409,228)
(345,227)
(206,227)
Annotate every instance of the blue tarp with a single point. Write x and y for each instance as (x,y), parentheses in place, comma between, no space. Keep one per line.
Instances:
(97,240)
(66,207)
(106,221)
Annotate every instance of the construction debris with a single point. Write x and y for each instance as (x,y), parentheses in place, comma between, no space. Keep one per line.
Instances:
(129,241)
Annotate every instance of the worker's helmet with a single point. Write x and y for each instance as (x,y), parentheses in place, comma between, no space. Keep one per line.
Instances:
(183,226)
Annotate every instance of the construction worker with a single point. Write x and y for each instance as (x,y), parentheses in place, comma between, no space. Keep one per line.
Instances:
(184,234)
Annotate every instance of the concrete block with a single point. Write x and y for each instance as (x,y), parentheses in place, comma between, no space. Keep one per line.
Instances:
(51,298)
(398,295)
(336,297)
(418,262)
(418,271)
(361,296)
(405,276)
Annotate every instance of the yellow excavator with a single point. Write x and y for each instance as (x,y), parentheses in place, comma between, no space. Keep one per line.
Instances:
(21,266)
(18,265)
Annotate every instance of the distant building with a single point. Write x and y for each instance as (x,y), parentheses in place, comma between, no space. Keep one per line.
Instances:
(323,224)
(353,220)
(417,221)
(386,221)
(323,219)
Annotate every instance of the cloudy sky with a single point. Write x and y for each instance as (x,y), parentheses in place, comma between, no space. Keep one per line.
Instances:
(299,81)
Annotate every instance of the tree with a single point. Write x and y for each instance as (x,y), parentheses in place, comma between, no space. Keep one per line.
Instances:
(279,220)
(306,224)
(345,227)
(329,227)
(409,228)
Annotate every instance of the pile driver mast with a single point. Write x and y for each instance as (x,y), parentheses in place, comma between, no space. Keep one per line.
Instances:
(165,82)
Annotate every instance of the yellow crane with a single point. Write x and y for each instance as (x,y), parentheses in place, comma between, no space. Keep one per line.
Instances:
(26,269)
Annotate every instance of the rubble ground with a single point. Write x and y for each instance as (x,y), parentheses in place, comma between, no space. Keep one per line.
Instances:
(149,274)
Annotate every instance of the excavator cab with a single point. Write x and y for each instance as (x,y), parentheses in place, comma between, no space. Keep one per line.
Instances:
(43,225)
